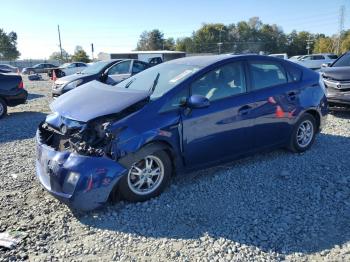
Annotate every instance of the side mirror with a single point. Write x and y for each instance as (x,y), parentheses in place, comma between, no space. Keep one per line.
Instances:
(198,101)
(326,64)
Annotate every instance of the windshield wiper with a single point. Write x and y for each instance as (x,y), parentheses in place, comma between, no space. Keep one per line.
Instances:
(155,82)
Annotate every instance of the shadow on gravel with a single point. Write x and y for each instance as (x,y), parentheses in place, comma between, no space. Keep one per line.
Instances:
(34,96)
(275,201)
(19,125)
(341,113)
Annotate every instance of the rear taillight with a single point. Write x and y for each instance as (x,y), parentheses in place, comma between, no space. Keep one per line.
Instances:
(21,85)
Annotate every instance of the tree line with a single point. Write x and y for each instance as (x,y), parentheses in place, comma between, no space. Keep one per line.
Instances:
(243,37)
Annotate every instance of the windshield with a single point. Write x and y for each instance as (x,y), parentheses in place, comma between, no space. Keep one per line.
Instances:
(342,61)
(95,67)
(159,79)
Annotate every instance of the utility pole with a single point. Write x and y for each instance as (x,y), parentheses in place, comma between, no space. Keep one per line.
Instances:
(341,26)
(220,43)
(59,38)
(92,51)
(308,42)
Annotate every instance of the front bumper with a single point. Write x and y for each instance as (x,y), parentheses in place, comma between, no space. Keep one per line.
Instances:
(97,176)
(338,96)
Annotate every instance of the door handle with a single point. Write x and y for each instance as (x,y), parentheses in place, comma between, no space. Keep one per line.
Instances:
(292,95)
(244,110)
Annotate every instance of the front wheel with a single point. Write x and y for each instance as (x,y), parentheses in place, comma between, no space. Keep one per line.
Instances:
(146,178)
(303,135)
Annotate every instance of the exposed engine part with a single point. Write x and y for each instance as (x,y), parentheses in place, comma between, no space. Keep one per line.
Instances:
(90,139)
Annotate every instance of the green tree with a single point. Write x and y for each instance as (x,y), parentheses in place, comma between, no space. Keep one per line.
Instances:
(80,55)
(8,45)
(152,40)
(57,56)
(324,45)
(169,44)
(185,44)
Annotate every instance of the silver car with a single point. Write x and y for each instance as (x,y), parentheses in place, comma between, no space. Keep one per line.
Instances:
(315,61)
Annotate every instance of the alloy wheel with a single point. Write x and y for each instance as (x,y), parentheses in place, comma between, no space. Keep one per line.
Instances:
(305,133)
(145,176)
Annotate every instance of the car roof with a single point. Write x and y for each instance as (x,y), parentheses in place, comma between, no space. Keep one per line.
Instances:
(201,60)
(207,60)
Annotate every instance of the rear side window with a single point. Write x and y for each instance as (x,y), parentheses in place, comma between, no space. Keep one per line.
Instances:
(266,74)
(318,57)
(333,56)
(294,74)
(138,67)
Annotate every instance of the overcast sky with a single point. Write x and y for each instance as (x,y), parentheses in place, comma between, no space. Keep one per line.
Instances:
(116,25)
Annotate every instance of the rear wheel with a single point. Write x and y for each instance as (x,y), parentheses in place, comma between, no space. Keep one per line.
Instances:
(146,178)
(3,108)
(303,135)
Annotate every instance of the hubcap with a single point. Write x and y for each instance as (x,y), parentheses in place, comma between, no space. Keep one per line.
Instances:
(305,133)
(145,176)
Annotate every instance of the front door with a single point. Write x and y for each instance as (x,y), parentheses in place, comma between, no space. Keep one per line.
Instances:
(223,129)
(118,72)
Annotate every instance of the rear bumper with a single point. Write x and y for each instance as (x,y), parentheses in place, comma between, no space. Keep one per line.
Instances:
(81,182)
(19,97)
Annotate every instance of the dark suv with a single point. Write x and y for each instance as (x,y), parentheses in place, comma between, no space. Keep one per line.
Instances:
(12,92)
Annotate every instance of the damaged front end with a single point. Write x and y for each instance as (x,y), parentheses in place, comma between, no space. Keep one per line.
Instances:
(88,139)
(74,160)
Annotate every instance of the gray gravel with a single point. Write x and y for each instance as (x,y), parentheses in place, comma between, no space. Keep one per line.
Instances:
(270,207)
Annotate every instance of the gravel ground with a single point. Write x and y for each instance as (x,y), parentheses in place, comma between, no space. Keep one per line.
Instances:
(270,207)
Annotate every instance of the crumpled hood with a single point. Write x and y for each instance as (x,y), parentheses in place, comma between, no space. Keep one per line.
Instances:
(337,73)
(95,99)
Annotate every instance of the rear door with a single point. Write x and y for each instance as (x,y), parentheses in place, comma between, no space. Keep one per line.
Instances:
(276,93)
(223,129)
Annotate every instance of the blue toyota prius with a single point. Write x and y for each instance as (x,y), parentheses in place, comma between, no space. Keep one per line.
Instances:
(126,141)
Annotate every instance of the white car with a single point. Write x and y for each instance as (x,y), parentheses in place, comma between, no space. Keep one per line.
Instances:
(69,69)
(294,58)
(315,61)
(282,56)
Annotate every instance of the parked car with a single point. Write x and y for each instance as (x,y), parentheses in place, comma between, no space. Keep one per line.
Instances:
(337,80)
(315,61)
(282,56)
(68,69)
(12,92)
(296,57)
(9,68)
(126,141)
(39,68)
(110,72)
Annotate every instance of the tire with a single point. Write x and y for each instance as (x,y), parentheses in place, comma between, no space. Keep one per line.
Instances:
(129,182)
(300,140)
(3,108)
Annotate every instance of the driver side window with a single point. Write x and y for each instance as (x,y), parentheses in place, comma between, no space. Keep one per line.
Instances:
(120,68)
(224,81)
